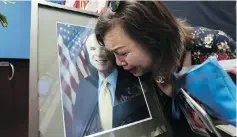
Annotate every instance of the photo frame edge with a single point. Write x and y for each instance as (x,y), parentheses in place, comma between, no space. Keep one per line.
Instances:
(63,7)
(33,120)
(33,126)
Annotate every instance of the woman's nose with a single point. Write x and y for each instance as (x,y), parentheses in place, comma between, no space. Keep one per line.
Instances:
(119,61)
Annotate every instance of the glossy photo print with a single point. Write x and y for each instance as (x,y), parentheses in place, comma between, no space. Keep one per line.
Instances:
(97,96)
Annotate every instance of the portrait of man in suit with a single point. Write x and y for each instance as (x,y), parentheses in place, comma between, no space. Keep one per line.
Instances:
(109,98)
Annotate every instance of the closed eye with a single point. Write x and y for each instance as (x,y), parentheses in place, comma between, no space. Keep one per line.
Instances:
(120,52)
(123,54)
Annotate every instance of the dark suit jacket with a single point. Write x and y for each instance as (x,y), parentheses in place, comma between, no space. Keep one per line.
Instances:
(129,104)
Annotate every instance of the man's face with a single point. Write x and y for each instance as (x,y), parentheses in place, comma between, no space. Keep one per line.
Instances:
(100,58)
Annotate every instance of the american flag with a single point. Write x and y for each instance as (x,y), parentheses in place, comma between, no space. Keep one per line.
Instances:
(73,66)
(98,6)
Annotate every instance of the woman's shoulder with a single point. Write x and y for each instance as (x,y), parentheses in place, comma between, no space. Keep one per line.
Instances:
(208,42)
(204,37)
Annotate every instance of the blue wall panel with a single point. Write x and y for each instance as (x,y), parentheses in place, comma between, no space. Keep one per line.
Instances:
(219,15)
(15,39)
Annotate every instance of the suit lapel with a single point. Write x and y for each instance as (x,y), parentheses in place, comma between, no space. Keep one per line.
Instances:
(118,89)
(124,87)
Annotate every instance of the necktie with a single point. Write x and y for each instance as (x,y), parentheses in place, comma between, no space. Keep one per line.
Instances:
(105,106)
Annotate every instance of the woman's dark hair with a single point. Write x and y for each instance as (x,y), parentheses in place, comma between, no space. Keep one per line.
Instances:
(154,27)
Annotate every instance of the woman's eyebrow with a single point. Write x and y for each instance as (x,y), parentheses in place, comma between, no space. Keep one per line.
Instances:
(115,49)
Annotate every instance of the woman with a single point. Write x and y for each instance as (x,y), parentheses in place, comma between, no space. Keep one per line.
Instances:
(146,37)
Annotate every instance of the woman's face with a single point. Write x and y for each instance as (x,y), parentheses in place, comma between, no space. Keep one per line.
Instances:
(128,53)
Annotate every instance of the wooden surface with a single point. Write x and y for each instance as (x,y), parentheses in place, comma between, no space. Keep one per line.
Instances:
(14,99)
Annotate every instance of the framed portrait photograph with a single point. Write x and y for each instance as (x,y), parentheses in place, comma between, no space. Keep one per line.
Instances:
(81,92)
(100,96)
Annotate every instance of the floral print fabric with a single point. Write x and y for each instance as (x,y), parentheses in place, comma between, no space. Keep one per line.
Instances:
(209,42)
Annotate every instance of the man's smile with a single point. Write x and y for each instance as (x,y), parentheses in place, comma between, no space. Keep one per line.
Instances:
(101,60)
